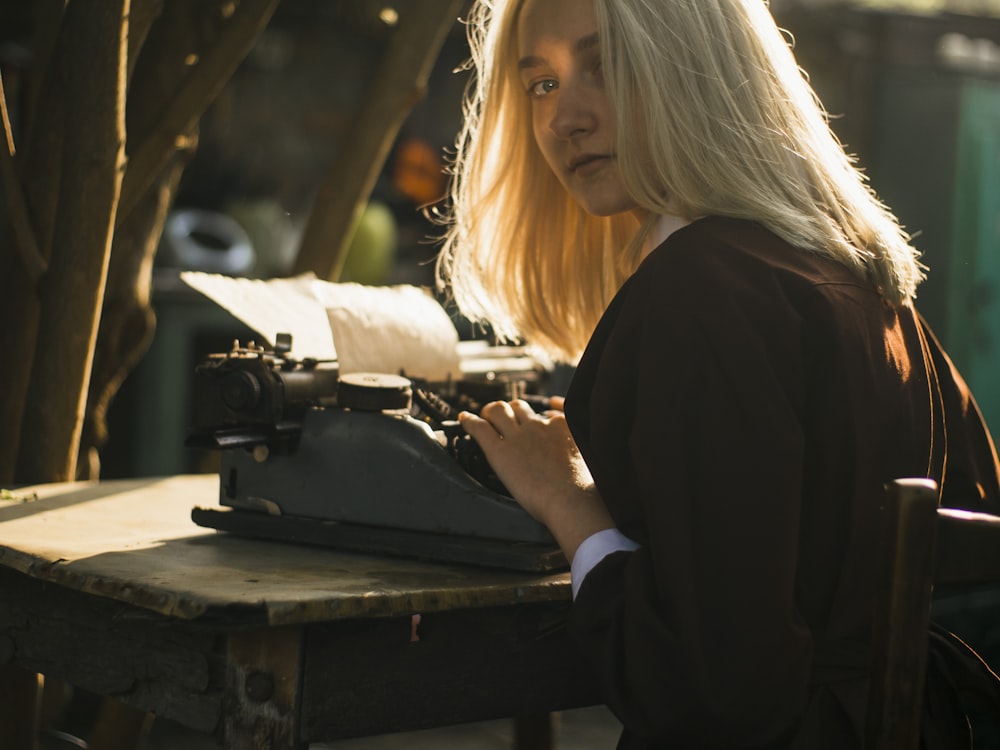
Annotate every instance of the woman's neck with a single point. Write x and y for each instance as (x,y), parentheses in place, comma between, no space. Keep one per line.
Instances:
(666,225)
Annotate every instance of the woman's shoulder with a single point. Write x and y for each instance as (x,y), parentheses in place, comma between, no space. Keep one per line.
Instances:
(716,271)
(726,255)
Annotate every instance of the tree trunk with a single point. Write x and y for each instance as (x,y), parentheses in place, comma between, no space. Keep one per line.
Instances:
(38,168)
(180,55)
(127,321)
(188,55)
(72,289)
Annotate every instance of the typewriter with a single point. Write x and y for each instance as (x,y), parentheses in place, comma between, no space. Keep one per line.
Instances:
(370,462)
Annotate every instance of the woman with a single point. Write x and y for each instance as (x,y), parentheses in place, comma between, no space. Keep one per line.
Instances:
(652,183)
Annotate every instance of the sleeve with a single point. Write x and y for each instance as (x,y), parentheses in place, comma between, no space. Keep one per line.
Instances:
(695,635)
(595,548)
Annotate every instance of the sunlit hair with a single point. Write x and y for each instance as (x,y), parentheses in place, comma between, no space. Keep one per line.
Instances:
(737,132)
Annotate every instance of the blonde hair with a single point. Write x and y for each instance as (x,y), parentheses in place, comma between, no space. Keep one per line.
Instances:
(737,132)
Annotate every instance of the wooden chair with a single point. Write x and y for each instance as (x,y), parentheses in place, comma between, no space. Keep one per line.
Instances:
(922,545)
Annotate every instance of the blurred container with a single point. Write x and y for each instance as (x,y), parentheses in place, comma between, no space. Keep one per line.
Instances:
(199,240)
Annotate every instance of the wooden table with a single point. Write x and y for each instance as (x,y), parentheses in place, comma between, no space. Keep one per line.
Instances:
(111,587)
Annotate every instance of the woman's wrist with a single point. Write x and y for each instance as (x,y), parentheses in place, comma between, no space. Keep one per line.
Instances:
(577,518)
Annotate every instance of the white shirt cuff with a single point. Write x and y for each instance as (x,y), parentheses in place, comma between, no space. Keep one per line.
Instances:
(595,548)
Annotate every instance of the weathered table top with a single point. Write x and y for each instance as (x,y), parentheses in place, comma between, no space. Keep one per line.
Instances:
(134,541)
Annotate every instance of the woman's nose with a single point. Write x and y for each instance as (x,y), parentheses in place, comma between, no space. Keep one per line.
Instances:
(573,114)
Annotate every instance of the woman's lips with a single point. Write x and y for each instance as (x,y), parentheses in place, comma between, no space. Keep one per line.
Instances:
(586,165)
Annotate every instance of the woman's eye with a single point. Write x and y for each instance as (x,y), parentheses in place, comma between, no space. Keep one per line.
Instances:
(541,88)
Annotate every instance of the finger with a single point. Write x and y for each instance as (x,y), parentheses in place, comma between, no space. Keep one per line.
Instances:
(501,415)
(496,410)
(542,403)
(556,403)
(522,411)
(479,428)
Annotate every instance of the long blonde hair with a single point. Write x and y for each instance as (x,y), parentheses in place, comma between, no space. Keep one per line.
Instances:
(737,132)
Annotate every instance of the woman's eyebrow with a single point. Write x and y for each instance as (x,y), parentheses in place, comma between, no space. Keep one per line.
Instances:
(583,44)
(586,43)
(530,61)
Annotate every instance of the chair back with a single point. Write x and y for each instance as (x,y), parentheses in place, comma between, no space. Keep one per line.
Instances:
(922,545)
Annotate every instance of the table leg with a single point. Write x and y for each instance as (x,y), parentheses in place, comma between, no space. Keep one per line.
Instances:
(20,700)
(535,731)
(263,676)
(119,727)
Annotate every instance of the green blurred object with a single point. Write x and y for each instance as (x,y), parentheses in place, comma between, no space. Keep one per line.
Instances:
(974,299)
(372,252)
(936,161)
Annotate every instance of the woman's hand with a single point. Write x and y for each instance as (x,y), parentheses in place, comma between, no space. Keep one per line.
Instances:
(535,457)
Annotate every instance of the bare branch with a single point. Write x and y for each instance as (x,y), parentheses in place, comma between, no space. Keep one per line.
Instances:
(401,82)
(142,16)
(181,113)
(24,236)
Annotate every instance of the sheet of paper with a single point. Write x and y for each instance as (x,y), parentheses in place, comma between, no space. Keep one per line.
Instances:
(272,307)
(388,329)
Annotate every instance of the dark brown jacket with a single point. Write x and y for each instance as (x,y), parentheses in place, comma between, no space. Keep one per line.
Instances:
(741,405)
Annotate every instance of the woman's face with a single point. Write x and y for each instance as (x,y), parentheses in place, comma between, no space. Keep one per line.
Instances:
(560,67)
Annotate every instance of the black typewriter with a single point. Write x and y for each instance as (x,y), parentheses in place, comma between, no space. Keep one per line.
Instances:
(371,462)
